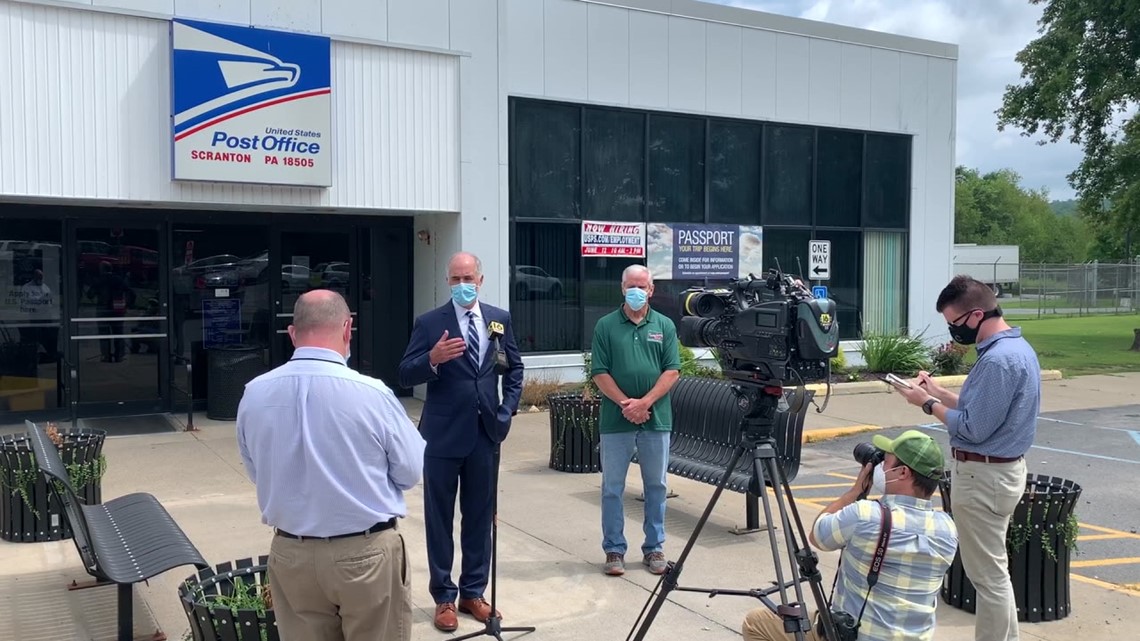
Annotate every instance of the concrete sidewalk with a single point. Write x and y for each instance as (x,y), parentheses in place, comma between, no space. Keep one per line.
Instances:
(549,540)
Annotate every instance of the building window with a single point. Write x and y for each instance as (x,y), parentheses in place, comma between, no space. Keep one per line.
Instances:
(676,169)
(573,162)
(545,160)
(545,294)
(845,287)
(884,274)
(614,168)
(839,178)
(734,165)
(887,188)
(787,175)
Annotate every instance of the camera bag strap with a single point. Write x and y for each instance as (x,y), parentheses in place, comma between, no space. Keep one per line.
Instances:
(877,560)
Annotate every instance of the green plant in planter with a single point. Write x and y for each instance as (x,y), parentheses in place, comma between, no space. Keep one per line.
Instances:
(79,474)
(897,353)
(949,359)
(248,596)
(581,413)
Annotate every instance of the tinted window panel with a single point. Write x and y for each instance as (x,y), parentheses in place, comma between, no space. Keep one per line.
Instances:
(734,168)
(839,177)
(545,296)
(614,165)
(888,182)
(676,169)
(787,175)
(545,160)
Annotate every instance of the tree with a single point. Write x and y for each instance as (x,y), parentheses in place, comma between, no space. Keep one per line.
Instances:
(1080,80)
(994,209)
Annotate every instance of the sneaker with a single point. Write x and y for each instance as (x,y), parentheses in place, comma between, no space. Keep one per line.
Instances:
(615,564)
(656,562)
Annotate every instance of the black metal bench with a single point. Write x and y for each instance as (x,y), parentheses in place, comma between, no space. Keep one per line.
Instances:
(706,431)
(123,541)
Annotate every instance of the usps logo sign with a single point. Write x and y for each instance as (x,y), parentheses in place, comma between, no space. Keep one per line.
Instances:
(250,105)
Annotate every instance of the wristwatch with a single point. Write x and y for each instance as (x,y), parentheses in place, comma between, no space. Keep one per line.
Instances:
(928,406)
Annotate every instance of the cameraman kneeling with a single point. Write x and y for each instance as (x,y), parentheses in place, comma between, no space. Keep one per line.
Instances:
(918,552)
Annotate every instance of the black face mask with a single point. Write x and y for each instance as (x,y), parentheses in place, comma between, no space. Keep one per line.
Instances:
(965,335)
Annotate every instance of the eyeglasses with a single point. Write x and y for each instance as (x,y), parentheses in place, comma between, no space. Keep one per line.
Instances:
(956,320)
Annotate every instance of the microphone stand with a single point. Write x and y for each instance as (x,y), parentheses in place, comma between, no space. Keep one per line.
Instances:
(494,626)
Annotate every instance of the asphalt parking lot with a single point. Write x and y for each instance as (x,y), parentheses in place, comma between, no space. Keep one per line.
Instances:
(1099,449)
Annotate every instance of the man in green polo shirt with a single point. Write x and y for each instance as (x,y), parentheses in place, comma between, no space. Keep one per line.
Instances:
(635,361)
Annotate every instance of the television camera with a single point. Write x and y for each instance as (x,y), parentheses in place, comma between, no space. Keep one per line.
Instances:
(766,331)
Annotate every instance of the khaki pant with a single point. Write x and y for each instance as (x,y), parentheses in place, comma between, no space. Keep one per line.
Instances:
(982,498)
(761,624)
(350,589)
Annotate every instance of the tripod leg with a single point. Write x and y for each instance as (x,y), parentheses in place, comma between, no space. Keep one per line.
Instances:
(494,625)
(669,579)
(801,556)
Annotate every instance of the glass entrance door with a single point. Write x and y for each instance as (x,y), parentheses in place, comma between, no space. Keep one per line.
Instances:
(311,259)
(117,319)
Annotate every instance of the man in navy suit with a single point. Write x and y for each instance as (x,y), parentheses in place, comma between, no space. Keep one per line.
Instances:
(459,350)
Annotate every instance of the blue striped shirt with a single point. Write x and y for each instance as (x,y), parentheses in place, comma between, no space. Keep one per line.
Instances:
(330,450)
(923,541)
(1000,400)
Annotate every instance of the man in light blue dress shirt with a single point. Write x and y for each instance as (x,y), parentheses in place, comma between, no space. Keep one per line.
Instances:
(992,424)
(331,452)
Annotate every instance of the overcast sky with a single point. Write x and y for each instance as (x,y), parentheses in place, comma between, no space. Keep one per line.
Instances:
(989,33)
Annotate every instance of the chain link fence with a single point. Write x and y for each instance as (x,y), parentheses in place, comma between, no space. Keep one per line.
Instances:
(1044,289)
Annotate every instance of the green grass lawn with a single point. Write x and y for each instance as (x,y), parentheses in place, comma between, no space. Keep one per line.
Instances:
(1082,345)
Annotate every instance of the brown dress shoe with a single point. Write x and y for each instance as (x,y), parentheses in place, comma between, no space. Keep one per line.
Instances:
(478,608)
(445,618)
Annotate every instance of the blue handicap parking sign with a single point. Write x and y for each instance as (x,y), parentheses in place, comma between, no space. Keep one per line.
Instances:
(819,291)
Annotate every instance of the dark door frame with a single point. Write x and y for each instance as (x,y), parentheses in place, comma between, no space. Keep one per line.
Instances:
(276,296)
(161,403)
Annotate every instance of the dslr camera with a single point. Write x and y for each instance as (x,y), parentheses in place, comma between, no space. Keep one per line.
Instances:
(766,331)
(846,627)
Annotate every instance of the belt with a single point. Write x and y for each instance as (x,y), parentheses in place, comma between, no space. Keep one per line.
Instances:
(963,455)
(379,527)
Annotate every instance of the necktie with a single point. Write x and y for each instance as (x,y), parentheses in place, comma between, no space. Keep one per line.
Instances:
(472,340)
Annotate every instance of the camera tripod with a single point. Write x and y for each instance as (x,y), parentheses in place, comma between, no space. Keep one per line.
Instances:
(494,625)
(759,405)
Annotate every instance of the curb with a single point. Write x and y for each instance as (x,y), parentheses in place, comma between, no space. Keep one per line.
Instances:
(828,433)
(878,387)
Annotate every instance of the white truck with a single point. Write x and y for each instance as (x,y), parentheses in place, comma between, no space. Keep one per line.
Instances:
(998,266)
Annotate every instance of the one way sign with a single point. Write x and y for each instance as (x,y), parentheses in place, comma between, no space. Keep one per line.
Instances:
(819,260)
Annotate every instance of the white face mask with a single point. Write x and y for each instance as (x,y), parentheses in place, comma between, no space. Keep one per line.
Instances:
(879,480)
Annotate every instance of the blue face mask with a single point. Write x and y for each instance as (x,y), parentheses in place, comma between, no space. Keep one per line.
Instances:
(636,298)
(463,294)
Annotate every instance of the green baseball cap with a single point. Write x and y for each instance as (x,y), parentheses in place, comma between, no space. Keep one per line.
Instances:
(916,450)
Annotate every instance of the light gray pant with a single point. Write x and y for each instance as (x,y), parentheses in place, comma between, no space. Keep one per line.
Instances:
(351,589)
(983,497)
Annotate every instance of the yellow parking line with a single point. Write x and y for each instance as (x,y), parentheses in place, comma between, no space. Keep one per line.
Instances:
(842,476)
(1098,537)
(1096,563)
(1126,589)
(1107,530)
(820,486)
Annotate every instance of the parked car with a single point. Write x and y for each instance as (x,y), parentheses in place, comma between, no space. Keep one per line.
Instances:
(534,282)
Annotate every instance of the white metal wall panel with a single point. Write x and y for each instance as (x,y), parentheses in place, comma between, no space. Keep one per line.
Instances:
(723,68)
(608,53)
(648,59)
(419,22)
(758,93)
(856,86)
(523,56)
(824,104)
(352,18)
(793,72)
(77,125)
(686,64)
(293,15)
(564,26)
(153,6)
(885,90)
(234,11)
